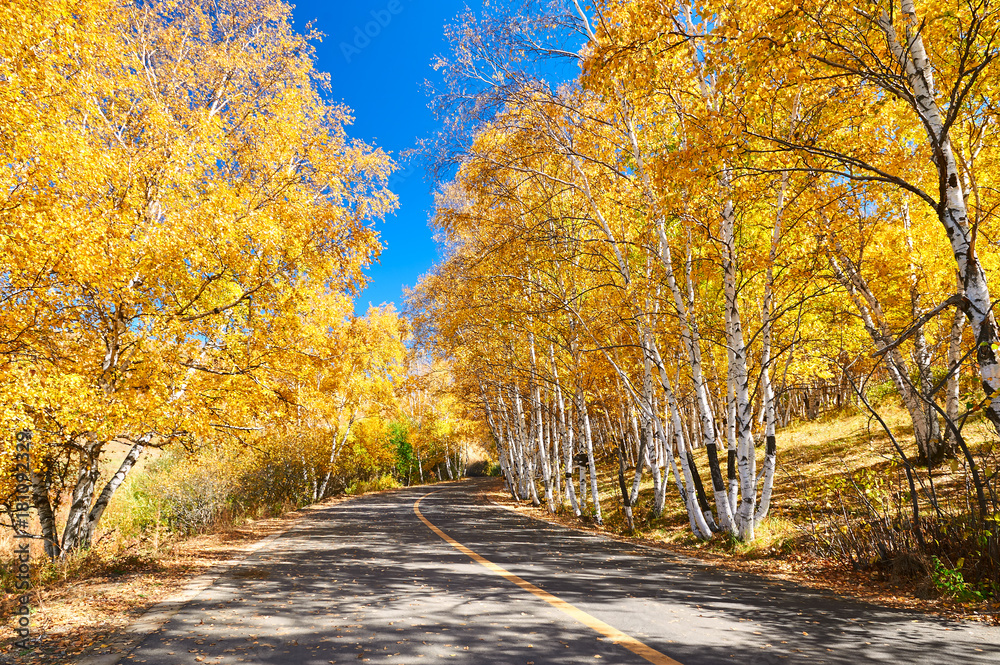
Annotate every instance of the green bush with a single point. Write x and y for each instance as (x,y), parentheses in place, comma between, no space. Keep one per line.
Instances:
(406,462)
(137,506)
(881,392)
(951,583)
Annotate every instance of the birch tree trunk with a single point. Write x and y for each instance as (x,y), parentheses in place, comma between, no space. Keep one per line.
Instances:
(526,463)
(934,450)
(739,376)
(911,55)
(83,495)
(87,529)
(692,345)
(335,448)
(553,450)
(664,456)
(698,517)
(926,429)
(589,443)
(952,388)
(40,483)
(538,426)
(566,427)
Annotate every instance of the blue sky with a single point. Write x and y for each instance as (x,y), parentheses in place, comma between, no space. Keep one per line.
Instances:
(380,75)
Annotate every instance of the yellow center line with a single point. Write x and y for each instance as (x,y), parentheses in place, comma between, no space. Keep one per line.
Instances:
(613,634)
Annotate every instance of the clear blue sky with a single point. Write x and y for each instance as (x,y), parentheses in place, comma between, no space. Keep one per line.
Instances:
(381,78)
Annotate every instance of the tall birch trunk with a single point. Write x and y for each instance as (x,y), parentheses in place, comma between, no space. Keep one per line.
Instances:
(538,428)
(911,54)
(934,448)
(952,388)
(335,448)
(94,517)
(566,427)
(40,483)
(767,390)
(589,443)
(925,424)
(701,522)
(83,495)
(660,460)
(525,450)
(746,452)
(729,422)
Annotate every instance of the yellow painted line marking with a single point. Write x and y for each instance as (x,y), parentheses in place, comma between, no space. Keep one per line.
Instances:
(607,630)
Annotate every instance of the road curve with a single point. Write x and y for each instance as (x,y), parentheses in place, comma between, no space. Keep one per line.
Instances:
(369,580)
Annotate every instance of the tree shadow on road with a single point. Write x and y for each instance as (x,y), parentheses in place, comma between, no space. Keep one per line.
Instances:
(366,581)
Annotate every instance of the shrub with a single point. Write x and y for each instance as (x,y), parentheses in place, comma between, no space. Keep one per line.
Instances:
(379,484)
(137,507)
(951,583)
(881,393)
(195,494)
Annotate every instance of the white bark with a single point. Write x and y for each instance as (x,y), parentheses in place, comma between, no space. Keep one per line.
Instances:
(589,442)
(911,54)
(87,532)
(700,524)
(952,396)
(746,452)
(767,390)
(566,427)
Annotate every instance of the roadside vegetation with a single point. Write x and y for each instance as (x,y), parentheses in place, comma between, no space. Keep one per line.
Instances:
(182,511)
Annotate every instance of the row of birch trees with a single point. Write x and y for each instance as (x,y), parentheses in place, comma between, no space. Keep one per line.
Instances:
(660,217)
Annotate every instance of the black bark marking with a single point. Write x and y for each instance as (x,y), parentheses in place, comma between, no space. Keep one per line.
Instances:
(699,488)
(713,454)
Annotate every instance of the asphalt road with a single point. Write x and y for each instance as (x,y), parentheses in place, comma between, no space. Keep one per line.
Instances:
(368,581)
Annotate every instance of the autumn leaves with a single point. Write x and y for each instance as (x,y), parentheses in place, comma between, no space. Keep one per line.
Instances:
(184,223)
(725,204)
